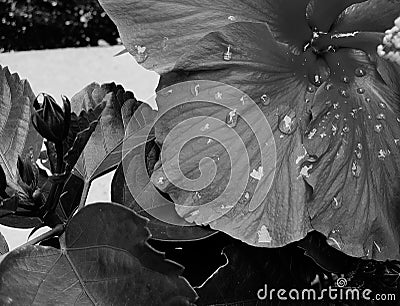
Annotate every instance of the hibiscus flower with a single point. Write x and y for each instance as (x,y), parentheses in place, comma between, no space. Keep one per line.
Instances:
(331,101)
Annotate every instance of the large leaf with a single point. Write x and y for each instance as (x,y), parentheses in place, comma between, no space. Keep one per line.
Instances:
(3,245)
(158,32)
(17,134)
(267,78)
(101,154)
(105,261)
(131,186)
(355,140)
(17,138)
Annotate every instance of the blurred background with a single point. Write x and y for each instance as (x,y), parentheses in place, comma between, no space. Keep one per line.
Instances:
(60,47)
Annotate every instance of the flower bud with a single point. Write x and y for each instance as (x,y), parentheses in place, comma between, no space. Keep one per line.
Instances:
(50,120)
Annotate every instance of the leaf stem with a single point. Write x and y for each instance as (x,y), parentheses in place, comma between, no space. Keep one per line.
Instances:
(85,193)
(59,228)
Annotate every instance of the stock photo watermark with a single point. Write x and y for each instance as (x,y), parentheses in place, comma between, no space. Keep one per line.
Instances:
(338,293)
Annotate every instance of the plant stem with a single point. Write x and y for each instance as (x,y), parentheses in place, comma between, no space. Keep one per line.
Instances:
(85,193)
(54,231)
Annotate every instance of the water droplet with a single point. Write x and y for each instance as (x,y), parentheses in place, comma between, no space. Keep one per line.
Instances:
(382,105)
(382,154)
(345,79)
(265,100)
(328,86)
(336,203)
(228,54)
(358,154)
(367,100)
(360,72)
(381,116)
(378,128)
(232,18)
(337,116)
(396,141)
(343,93)
(317,80)
(346,129)
(322,135)
(196,89)
(288,123)
(310,88)
(335,105)
(141,54)
(164,43)
(218,95)
(359,146)
(360,90)
(334,129)
(161,180)
(312,133)
(355,169)
(232,118)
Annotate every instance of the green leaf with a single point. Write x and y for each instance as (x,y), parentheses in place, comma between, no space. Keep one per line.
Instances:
(70,197)
(103,150)
(158,32)
(131,185)
(17,134)
(105,261)
(3,245)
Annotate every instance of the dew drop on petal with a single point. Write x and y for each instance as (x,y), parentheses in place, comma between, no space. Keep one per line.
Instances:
(381,116)
(164,43)
(336,203)
(382,105)
(358,154)
(141,54)
(360,72)
(335,105)
(360,90)
(288,123)
(232,118)
(312,133)
(263,235)
(346,129)
(218,95)
(228,54)
(367,100)
(345,79)
(355,169)
(397,141)
(382,154)
(343,93)
(310,88)
(317,80)
(328,86)
(265,100)
(232,18)
(378,128)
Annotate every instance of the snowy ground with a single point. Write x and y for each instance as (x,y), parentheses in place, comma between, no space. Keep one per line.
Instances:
(66,71)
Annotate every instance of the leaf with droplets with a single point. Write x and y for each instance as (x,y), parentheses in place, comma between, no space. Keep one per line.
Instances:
(105,261)
(3,245)
(280,216)
(355,175)
(158,32)
(132,188)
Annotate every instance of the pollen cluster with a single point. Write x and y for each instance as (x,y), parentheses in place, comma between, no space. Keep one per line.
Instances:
(390,49)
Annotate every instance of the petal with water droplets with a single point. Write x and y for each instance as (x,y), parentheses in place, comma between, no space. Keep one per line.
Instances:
(360,167)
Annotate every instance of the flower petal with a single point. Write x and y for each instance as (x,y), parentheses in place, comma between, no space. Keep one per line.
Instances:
(266,72)
(354,142)
(369,16)
(158,32)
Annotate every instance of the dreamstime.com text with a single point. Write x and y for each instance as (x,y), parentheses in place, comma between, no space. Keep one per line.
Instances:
(340,292)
